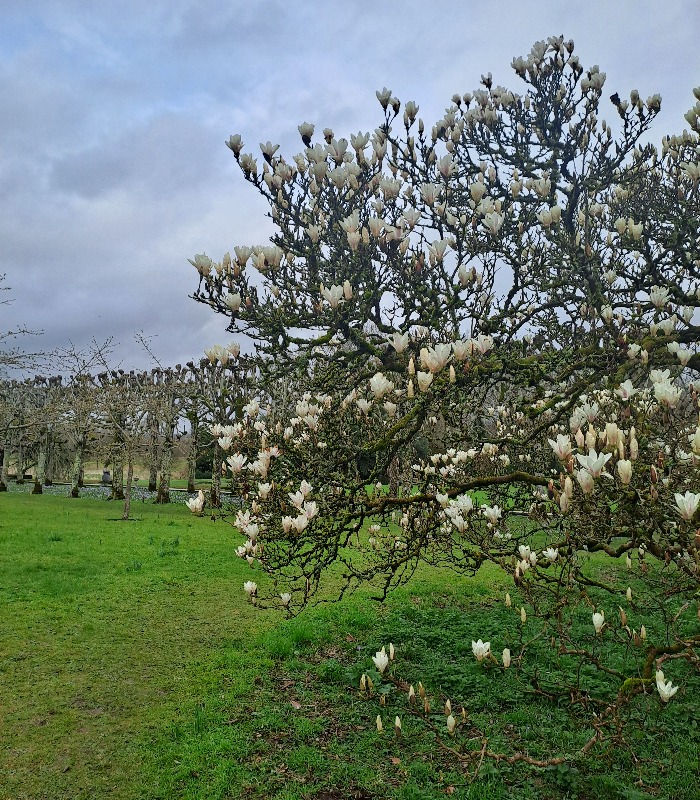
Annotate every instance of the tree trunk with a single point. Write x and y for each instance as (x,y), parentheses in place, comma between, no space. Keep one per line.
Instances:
(118,471)
(77,470)
(20,463)
(40,473)
(4,464)
(216,476)
(192,457)
(129,481)
(166,464)
(153,459)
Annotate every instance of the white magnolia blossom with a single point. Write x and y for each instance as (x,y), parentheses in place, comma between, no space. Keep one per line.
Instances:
(659,375)
(667,394)
(381,660)
(594,463)
(665,688)
(196,504)
(492,514)
(424,380)
(585,481)
(436,358)
(236,462)
(399,342)
(380,385)
(598,621)
(626,390)
(624,470)
(687,504)
(561,447)
(481,649)
(333,296)
(659,296)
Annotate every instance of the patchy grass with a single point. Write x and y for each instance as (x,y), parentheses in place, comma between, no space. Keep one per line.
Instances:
(112,633)
(131,666)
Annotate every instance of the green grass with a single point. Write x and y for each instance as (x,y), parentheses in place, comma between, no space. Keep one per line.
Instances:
(131,666)
(112,632)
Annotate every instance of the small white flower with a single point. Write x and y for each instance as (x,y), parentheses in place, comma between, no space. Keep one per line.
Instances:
(626,390)
(424,380)
(562,446)
(594,463)
(381,660)
(598,621)
(379,385)
(196,504)
(624,470)
(658,296)
(687,504)
(492,513)
(666,688)
(481,649)
(399,342)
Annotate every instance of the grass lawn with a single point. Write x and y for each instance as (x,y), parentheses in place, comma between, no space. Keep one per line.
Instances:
(131,666)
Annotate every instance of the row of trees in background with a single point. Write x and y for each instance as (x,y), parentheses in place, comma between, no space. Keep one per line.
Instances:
(50,426)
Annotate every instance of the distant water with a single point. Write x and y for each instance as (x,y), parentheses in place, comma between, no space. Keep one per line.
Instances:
(97,492)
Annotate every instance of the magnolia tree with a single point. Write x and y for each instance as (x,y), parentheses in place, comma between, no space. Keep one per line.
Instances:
(516,285)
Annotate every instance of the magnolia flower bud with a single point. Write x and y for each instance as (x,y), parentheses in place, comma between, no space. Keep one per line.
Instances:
(624,470)
(598,621)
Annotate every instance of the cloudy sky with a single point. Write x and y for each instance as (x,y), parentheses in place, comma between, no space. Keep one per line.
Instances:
(113,117)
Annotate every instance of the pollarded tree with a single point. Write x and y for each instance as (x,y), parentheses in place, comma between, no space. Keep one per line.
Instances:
(162,428)
(126,400)
(527,280)
(217,388)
